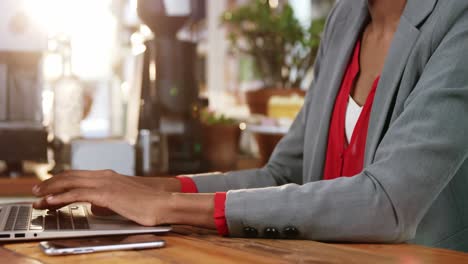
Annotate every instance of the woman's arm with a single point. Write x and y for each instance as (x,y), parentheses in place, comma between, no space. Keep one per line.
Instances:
(421,152)
(136,200)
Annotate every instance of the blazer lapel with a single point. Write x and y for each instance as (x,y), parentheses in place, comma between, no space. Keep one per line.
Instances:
(416,11)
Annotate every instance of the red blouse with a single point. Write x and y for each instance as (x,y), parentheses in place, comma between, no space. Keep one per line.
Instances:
(342,159)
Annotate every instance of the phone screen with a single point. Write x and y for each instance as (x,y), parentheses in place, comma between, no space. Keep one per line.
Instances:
(102,241)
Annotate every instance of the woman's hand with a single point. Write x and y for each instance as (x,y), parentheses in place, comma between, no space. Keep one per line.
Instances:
(136,199)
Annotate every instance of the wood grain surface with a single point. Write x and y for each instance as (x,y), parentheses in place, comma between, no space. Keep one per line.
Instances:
(194,245)
(11,257)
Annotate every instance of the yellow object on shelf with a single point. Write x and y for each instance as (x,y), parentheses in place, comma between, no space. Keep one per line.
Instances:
(285,106)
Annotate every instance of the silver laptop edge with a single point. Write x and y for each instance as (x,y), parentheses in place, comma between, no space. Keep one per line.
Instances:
(98,226)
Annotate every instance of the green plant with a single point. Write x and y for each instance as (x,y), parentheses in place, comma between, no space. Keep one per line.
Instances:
(282,49)
(212,118)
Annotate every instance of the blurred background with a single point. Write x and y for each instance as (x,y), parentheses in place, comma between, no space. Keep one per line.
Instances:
(151,87)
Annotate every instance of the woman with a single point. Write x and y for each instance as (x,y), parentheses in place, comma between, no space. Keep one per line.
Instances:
(404,152)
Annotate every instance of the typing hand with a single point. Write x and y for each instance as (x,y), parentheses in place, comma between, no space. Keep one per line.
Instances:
(108,192)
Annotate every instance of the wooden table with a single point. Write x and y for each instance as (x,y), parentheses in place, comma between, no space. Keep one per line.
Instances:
(194,245)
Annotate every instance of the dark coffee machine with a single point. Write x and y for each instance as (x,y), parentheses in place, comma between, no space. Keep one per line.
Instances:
(169,112)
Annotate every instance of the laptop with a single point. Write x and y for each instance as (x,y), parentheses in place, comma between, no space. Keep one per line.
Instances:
(19,221)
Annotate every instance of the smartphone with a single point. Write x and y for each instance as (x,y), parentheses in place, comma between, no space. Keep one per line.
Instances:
(98,244)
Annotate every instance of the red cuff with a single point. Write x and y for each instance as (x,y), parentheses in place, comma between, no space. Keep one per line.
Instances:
(187,185)
(219,215)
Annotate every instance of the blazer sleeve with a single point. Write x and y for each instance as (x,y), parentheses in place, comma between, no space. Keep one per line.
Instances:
(285,164)
(420,153)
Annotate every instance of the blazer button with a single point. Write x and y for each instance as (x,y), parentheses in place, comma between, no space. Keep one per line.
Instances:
(250,232)
(271,232)
(290,232)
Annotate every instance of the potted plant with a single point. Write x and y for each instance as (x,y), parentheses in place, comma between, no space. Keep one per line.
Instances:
(220,141)
(283,50)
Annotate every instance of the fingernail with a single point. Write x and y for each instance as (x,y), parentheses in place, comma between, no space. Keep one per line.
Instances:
(50,198)
(35,189)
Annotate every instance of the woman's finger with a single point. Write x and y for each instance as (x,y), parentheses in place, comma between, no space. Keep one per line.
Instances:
(89,195)
(61,183)
(72,179)
(42,205)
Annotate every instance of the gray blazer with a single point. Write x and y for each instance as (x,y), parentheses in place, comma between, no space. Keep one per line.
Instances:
(414,186)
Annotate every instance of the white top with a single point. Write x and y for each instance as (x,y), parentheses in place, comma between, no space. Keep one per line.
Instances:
(353,111)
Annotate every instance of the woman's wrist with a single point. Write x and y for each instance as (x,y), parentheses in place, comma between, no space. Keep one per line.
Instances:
(190,209)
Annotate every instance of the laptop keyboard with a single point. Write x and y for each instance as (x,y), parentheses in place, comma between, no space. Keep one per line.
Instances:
(22,218)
